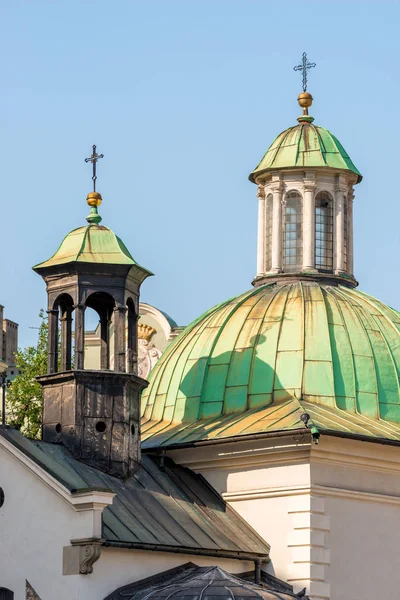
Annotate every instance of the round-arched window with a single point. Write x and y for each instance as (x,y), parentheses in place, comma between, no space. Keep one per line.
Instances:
(292,233)
(324,232)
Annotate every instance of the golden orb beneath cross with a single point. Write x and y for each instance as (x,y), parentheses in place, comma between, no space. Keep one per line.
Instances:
(94,199)
(305,99)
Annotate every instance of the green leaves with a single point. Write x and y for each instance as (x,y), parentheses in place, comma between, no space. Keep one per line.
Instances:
(25,397)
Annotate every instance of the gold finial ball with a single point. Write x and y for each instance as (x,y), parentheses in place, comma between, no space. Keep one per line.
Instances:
(305,99)
(94,199)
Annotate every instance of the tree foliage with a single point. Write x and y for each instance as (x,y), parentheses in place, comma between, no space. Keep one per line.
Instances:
(25,396)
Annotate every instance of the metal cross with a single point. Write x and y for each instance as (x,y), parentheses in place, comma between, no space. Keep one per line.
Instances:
(304,66)
(93,159)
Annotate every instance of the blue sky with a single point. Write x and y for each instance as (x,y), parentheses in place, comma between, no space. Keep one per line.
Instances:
(183,98)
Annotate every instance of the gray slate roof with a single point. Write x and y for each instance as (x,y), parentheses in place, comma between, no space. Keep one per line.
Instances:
(190,582)
(171,510)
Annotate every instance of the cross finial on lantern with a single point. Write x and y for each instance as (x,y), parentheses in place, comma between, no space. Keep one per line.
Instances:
(93,159)
(304,66)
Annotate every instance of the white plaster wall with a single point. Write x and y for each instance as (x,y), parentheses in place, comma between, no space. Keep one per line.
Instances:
(120,567)
(331,513)
(35,524)
(271,519)
(262,496)
(360,484)
(363,542)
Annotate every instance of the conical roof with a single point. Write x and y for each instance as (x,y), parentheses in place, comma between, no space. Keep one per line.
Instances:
(306,146)
(258,362)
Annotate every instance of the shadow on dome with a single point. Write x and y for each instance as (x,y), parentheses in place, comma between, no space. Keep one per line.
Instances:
(236,382)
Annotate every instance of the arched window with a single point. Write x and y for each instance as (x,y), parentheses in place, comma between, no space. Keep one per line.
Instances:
(292,233)
(6,594)
(268,262)
(324,232)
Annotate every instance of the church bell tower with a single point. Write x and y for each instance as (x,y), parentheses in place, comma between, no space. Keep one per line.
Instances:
(94,413)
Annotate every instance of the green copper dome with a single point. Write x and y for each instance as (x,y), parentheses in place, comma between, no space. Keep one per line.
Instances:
(91,244)
(305,145)
(258,362)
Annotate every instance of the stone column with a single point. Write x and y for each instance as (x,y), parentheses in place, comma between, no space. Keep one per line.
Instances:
(79,336)
(132,341)
(119,339)
(309,223)
(350,255)
(261,241)
(66,340)
(104,343)
(276,189)
(340,191)
(52,341)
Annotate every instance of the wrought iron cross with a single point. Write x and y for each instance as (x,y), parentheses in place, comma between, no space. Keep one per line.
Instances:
(304,66)
(93,159)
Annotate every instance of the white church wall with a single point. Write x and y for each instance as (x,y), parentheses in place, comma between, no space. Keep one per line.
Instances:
(359,483)
(259,479)
(330,512)
(363,542)
(35,525)
(117,567)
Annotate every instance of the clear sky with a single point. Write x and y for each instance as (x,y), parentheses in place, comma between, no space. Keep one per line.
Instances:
(183,98)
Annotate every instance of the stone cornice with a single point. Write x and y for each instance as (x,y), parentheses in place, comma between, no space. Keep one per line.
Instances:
(291,450)
(320,490)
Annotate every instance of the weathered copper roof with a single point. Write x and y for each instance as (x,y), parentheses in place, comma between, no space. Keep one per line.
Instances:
(169,510)
(90,244)
(254,363)
(190,582)
(305,145)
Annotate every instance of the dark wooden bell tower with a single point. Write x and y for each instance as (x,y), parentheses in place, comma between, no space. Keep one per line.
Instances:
(94,413)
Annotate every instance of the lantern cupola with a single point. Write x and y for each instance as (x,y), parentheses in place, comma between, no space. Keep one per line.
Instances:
(94,413)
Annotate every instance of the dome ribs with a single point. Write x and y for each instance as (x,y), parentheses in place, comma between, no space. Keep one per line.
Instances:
(274,353)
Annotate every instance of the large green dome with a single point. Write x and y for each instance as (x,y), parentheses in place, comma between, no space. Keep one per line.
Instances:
(305,145)
(256,363)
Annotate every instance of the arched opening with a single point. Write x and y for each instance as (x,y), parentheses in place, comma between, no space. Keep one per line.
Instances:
(132,350)
(66,307)
(292,233)
(268,231)
(60,342)
(98,313)
(92,349)
(6,594)
(324,232)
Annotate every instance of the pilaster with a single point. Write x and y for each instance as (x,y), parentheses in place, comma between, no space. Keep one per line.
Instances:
(52,343)
(119,339)
(261,241)
(308,543)
(350,252)
(341,190)
(79,335)
(276,255)
(309,222)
